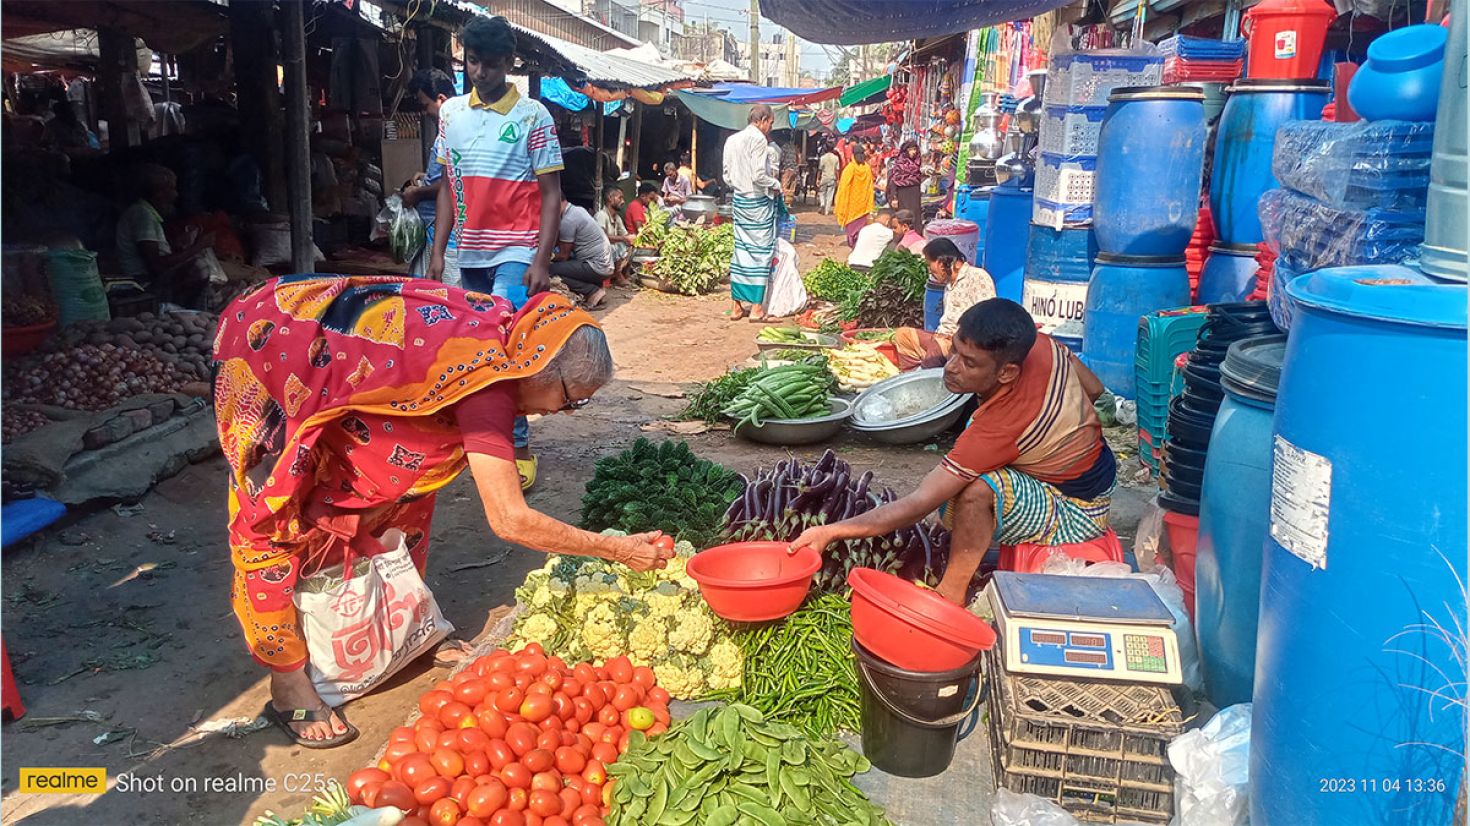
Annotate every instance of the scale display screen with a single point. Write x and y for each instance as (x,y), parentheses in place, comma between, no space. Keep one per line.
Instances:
(1040,646)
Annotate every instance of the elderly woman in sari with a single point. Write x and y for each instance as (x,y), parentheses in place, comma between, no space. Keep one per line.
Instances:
(345,403)
(854,196)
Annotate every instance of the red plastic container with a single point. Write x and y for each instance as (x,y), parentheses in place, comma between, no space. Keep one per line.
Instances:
(1028,558)
(887,348)
(17,341)
(754,581)
(1286,38)
(1183,533)
(912,627)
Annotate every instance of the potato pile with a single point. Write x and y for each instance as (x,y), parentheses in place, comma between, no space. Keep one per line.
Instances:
(92,377)
(15,423)
(184,341)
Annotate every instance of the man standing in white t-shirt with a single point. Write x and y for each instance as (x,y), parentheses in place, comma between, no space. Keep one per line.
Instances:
(871,241)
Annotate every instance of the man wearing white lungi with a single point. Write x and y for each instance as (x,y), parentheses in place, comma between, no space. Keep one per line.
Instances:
(748,172)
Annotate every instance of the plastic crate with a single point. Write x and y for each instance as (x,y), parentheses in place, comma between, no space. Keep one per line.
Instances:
(1071,130)
(1087,78)
(1099,749)
(1065,179)
(1162,336)
(1059,215)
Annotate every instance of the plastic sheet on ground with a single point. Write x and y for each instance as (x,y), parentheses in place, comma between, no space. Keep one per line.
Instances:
(1213,765)
(1383,165)
(1314,235)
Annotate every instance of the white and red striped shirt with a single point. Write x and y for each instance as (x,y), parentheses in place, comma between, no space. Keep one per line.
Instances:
(492,154)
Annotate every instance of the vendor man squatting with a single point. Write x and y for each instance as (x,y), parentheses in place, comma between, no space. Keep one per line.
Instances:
(1031,466)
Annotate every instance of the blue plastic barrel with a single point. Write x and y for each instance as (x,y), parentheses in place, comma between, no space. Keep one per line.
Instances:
(1244,139)
(1229,274)
(1150,162)
(1122,290)
(1358,712)
(1057,271)
(974,206)
(933,305)
(1234,509)
(1005,225)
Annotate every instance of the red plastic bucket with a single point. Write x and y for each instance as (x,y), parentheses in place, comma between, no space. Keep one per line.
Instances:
(1183,533)
(1286,38)
(911,627)
(1030,559)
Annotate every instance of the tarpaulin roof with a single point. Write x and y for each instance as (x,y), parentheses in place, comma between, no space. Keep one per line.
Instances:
(850,22)
(860,92)
(750,93)
(723,113)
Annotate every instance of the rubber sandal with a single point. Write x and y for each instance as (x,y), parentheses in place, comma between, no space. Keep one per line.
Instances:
(284,719)
(452,645)
(734,317)
(527,469)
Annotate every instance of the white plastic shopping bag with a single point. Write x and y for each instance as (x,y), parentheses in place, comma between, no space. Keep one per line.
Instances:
(786,295)
(361,630)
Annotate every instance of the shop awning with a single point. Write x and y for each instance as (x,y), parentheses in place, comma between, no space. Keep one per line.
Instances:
(726,114)
(851,22)
(858,93)
(750,93)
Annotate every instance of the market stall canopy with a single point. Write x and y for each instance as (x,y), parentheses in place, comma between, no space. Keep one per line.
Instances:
(750,93)
(70,49)
(852,22)
(859,94)
(725,114)
(174,27)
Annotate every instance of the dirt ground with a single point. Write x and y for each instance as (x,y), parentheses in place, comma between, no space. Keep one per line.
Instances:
(119,628)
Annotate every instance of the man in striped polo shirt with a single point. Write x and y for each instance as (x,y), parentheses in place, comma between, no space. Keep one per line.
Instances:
(503,200)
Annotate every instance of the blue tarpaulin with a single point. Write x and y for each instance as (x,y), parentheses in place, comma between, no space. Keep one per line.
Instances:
(851,22)
(748,93)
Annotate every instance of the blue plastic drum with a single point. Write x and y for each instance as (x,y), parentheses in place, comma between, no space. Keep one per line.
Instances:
(1122,290)
(933,305)
(1151,153)
(1356,685)
(1058,269)
(973,205)
(1004,250)
(1244,140)
(1235,507)
(1229,274)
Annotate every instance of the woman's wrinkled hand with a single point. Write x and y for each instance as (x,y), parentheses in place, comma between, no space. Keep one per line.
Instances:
(643,551)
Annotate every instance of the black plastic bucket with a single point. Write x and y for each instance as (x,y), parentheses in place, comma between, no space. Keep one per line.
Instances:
(911,719)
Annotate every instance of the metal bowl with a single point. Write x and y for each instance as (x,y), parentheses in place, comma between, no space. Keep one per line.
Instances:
(698,206)
(908,408)
(819,341)
(798,431)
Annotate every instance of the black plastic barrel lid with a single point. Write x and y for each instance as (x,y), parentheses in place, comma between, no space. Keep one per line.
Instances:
(1252,367)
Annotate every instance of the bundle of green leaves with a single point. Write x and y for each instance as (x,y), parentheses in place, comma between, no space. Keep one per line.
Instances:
(834,281)
(663,487)
(694,258)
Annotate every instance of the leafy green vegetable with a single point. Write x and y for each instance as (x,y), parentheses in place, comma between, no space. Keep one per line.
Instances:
(709,402)
(800,671)
(661,487)
(651,234)
(834,281)
(694,258)
(895,298)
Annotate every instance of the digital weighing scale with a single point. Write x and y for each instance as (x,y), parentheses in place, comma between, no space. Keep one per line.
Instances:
(1085,627)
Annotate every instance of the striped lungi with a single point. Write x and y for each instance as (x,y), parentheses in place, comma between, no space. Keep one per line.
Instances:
(1030,510)
(755,247)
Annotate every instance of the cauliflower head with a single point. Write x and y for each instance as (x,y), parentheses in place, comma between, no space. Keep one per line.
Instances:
(692,632)
(602,633)
(537,628)
(679,677)
(726,665)
(647,640)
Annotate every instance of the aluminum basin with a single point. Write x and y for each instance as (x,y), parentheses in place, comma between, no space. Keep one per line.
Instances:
(908,408)
(798,431)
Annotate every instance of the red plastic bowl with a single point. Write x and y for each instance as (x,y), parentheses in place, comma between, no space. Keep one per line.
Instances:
(18,341)
(754,581)
(912,627)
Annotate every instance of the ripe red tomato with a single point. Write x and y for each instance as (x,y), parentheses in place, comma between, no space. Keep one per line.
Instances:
(413,820)
(448,763)
(561,706)
(516,799)
(609,715)
(657,694)
(643,677)
(537,707)
(500,680)
(656,729)
(414,769)
(585,812)
(605,752)
(553,678)
(533,663)
(591,793)
(398,751)
(486,799)
(502,665)
(500,754)
(554,820)
(432,701)
(544,803)
(612,734)
(444,812)
(625,699)
(447,740)
(516,776)
(472,739)
(572,687)
(370,791)
(521,737)
(538,760)
(593,730)
(570,761)
(468,820)
(570,800)
(401,733)
(492,722)
(510,700)
(619,669)
(547,781)
(452,713)
(476,763)
(396,794)
(471,692)
(461,788)
(582,709)
(507,817)
(362,777)
(431,790)
(585,673)
(595,773)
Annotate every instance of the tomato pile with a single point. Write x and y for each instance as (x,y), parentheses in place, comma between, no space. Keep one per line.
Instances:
(515,739)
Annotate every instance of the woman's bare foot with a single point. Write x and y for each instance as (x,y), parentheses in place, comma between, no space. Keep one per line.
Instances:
(595,300)
(293,689)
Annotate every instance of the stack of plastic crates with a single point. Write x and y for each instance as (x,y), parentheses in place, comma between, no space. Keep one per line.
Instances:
(1097,749)
(1195,59)
(1162,336)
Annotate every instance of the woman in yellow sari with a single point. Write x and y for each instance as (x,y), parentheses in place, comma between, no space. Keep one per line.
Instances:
(854,196)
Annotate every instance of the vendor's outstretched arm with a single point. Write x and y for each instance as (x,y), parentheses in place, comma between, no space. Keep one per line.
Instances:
(938,487)
(514,521)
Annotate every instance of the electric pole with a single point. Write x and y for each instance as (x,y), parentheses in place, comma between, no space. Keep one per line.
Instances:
(755,41)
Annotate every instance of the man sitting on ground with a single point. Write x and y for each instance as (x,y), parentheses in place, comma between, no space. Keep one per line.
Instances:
(872,241)
(905,233)
(583,255)
(1031,466)
(676,189)
(610,221)
(636,215)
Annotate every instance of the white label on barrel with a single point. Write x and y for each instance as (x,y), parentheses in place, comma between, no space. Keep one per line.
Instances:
(1301,493)
(1056,306)
(949,691)
(1286,44)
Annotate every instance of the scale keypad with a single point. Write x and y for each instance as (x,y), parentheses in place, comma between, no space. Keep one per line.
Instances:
(1144,653)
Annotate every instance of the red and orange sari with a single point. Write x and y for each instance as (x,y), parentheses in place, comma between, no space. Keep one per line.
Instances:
(335,399)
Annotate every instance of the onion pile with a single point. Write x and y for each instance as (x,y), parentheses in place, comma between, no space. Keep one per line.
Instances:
(184,341)
(16,423)
(92,377)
